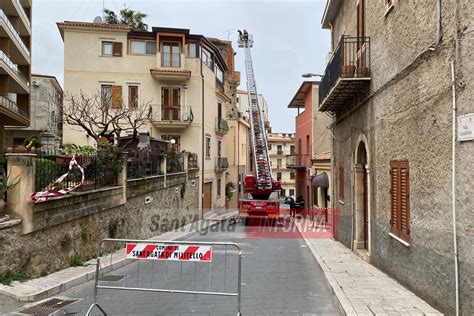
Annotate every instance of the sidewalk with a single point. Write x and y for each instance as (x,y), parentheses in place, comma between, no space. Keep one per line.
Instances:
(361,288)
(57,282)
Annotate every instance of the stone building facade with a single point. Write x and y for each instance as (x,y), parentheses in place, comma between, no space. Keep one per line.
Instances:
(46,115)
(281,145)
(389,88)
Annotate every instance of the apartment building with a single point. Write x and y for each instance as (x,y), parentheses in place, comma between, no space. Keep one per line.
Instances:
(397,71)
(177,74)
(280,145)
(15,61)
(304,100)
(237,141)
(243,105)
(46,115)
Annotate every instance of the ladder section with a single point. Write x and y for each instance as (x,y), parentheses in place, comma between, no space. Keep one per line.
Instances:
(263,170)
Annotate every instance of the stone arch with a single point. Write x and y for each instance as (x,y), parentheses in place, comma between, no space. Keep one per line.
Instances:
(362,195)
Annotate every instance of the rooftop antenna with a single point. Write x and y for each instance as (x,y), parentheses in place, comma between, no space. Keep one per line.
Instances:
(229,32)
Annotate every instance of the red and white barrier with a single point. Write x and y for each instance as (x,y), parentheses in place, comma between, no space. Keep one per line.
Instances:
(169,252)
(38,197)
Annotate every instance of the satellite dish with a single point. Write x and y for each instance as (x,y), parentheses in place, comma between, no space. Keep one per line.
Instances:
(98,19)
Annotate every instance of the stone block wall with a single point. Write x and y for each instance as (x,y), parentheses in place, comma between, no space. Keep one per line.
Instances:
(71,227)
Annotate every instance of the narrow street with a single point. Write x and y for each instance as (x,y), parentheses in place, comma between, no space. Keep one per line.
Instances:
(279,276)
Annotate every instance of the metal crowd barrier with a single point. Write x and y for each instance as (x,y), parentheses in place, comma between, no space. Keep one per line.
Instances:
(169,260)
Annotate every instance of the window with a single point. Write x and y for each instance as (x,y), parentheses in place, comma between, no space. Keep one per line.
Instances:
(219,74)
(207,59)
(219,189)
(106,94)
(292,192)
(142,47)
(400,200)
(341,182)
(278,176)
(170,54)
(132,96)
(292,149)
(177,145)
(280,150)
(269,146)
(279,163)
(219,148)
(292,175)
(208,146)
(192,50)
(107,48)
(111,49)
(170,104)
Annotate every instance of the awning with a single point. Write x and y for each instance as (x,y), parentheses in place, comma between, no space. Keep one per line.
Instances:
(321,180)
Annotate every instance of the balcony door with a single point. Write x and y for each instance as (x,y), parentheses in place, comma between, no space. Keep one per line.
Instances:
(362,70)
(171,56)
(170,100)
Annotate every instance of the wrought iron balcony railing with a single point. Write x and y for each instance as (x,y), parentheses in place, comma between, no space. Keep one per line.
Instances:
(347,71)
(298,161)
(222,126)
(222,163)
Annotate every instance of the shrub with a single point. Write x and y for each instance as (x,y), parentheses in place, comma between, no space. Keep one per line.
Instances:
(8,277)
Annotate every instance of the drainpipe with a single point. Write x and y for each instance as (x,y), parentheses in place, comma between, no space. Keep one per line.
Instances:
(352,200)
(202,133)
(453,190)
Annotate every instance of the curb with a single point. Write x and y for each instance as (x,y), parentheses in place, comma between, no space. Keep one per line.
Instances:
(339,297)
(89,274)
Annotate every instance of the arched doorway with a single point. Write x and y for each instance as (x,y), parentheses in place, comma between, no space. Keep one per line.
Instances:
(361,195)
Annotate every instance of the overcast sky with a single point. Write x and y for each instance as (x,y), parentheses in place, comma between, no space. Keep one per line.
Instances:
(288,38)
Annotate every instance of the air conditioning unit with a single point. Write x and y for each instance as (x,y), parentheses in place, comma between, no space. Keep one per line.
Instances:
(187,117)
(35,83)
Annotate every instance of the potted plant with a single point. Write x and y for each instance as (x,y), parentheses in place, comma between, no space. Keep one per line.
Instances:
(348,70)
(5,185)
(32,143)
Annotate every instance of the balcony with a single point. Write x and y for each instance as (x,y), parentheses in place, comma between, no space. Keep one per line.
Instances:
(171,117)
(222,127)
(11,114)
(221,164)
(20,51)
(219,86)
(20,83)
(279,152)
(298,161)
(170,69)
(347,76)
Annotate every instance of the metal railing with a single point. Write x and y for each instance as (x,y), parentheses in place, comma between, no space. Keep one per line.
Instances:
(182,114)
(9,104)
(170,60)
(193,161)
(173,267)
(222,126)
(6,59)
(99,171)
(219,85)
(222,163)
(174,162)
(298,160)
(351,59)
(279,152)
(142,164)
(5,19)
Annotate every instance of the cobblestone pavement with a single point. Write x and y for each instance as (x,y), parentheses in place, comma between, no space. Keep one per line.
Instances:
(279,276)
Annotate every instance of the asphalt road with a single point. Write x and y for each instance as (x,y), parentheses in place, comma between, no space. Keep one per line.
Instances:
(279,276)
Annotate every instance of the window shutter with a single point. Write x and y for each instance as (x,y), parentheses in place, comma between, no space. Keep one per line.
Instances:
(400,200)
(116,96)
(117,49)
(404,203)
(394,192)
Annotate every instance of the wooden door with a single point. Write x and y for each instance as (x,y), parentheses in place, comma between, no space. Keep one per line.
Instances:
(207,197)
(170,99)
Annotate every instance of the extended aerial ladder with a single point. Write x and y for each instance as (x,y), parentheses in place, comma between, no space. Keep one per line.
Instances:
(260,184)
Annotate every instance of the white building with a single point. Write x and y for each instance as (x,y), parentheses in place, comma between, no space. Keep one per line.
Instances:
(281,145)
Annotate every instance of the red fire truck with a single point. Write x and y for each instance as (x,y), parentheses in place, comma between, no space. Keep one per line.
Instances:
(258,186)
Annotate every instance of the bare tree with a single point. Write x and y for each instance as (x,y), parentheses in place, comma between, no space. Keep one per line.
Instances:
(100,117)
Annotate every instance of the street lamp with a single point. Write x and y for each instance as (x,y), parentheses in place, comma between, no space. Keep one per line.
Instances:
(309,75)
